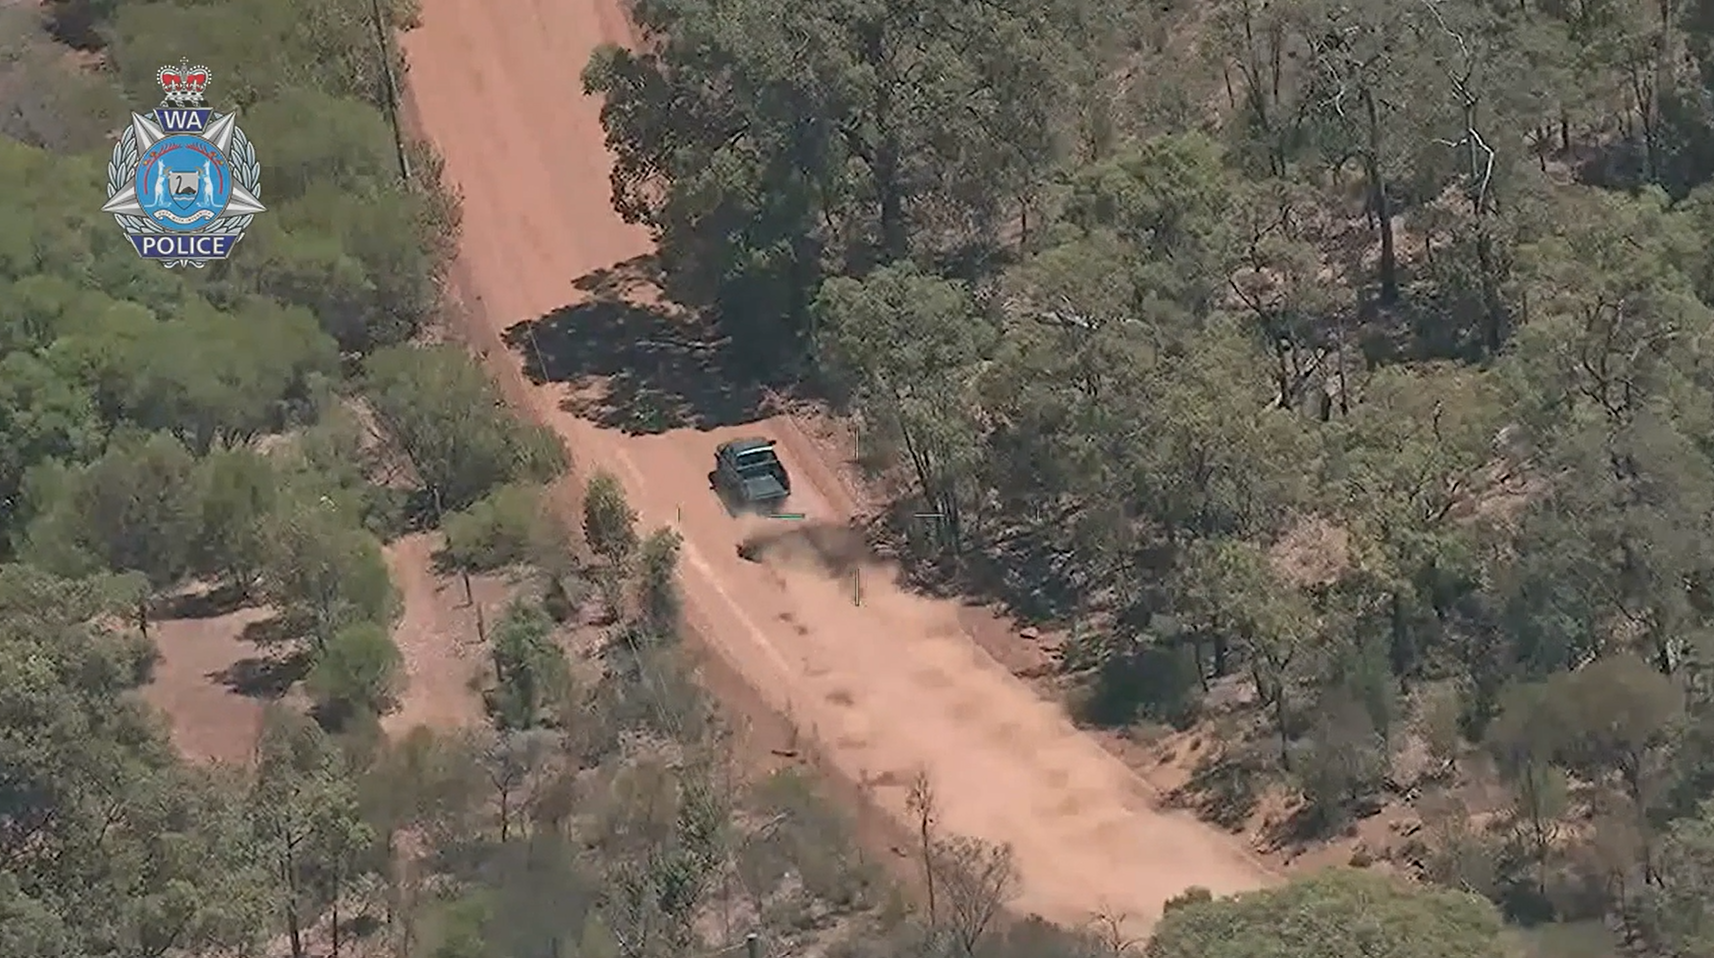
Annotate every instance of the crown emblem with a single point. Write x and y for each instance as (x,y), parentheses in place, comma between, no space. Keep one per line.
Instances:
(184,83)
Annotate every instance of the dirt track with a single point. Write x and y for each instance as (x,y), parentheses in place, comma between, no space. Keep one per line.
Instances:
(886,681)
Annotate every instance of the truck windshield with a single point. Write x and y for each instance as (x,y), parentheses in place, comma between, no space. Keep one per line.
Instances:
(759,463)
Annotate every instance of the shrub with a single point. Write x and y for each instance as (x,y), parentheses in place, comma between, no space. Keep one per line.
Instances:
(356,673)
(609,522)
(509,526)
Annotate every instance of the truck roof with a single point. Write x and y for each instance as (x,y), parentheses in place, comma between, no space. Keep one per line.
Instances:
(738,447)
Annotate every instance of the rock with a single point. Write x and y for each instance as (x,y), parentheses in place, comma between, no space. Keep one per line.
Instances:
(1032,633)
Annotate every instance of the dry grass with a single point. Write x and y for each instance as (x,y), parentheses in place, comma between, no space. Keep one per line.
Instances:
(1313,552)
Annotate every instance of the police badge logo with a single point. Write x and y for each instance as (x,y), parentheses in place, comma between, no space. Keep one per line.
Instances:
(183,182)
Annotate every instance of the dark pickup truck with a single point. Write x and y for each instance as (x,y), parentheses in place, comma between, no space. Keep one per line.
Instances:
(748,473)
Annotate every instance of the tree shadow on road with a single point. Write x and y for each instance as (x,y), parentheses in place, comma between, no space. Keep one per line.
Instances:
(201,603)
(279,664)
(262,676)
(1224,788)
(633,366)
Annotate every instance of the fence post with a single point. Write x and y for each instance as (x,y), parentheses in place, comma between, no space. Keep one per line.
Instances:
(753,945)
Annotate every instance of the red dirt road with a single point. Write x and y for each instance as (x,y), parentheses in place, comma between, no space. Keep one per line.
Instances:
(887,682)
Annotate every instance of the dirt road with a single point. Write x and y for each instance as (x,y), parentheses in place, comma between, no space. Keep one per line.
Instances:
(886,681)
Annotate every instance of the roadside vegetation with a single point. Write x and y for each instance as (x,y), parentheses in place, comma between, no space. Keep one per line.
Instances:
(1334,375)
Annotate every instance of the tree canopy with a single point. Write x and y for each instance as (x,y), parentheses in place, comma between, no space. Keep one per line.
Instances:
(1339,914)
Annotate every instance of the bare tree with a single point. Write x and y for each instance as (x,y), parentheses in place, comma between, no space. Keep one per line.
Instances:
(978,879)
(513,762)
(920,802)
(1108,929)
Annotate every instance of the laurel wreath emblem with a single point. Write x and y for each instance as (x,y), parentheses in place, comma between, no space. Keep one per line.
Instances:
(246,171)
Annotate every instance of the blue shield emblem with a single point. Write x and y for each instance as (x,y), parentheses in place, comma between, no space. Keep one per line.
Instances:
(183,182)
